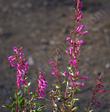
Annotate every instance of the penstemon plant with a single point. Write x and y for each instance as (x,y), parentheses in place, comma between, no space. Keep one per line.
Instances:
(63,94)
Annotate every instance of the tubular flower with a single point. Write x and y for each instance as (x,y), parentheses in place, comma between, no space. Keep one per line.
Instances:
(73,63)
(73,49)
(42,85)
(99,89)
(75,80)
(18,61)
(78,14)
(81,30)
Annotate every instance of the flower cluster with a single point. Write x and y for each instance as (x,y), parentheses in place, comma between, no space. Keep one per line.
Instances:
(99,89)
(42,85)
(68,83)
(18,61)
(80,28)
(73,48)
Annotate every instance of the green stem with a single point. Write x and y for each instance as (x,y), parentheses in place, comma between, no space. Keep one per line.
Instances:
(17,110)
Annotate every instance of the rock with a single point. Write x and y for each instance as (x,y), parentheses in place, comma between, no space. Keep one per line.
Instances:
(29,5)
(107,66)
(44,48)
(15,5)
(7,34)
(5,9)
(44,41)
(1,30)
(30,61)
(52,42)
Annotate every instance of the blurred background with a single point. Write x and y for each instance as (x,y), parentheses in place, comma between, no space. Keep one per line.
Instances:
(40,27)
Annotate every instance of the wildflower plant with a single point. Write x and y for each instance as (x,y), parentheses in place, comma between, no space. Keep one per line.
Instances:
(18,61)
(63,94)
(24,99)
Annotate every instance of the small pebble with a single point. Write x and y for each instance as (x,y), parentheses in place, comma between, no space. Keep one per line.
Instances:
(44,41)
(30,61)
(52,42)
(29,5)
(107,65)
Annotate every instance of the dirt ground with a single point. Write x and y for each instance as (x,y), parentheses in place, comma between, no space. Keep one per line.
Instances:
(41,27)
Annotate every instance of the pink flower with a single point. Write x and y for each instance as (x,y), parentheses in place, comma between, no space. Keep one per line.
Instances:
(18,61)
(20,79)
(76,84)
(79,5)
(73,48)
(82,42)
(81,30)
(69,40)
(78,16)
(42,85)
(12,60)
(84,77)
(73,62)
(99,89)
